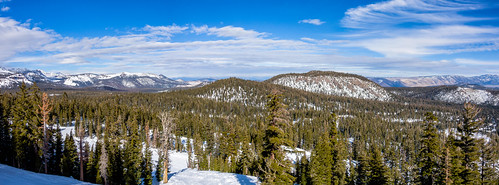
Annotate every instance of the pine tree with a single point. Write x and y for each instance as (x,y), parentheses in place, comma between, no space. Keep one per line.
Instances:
(321,161)
(362,169)
(244,162)
(378,170)
(274,167)
(337,156)
(132,155)
(429,152)
(58,152)
(303,177)
(5,133)
(468,144)
(147,166)
(70,158)
(159,169)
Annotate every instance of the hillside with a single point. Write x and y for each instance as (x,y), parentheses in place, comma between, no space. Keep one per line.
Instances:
(451,94)
(333,83)
(425,81)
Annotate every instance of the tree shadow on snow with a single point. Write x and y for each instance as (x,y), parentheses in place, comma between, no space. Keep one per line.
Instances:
(170,175)
(244,180)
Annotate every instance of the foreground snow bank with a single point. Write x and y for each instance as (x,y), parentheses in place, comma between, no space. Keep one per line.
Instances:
(14,176)
(192,176)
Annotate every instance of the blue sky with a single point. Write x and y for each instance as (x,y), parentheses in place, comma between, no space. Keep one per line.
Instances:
(252,39)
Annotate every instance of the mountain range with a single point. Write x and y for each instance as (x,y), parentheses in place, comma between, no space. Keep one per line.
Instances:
(451,89)
(10,78)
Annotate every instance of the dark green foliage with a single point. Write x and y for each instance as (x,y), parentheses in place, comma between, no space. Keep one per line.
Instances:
(468,144)
(70,161)
(429,152)
(321,161)
(147,167)
(378,171)
(274,167)
(132,154)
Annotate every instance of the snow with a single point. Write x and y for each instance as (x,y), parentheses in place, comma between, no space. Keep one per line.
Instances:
(14,176)
(338,86)
(463,95)
(193,177)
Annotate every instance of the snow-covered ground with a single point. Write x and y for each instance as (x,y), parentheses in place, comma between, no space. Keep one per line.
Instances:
(179,173)
(14,176)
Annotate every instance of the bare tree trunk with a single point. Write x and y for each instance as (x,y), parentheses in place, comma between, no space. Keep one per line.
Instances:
(168,127)
(45,109)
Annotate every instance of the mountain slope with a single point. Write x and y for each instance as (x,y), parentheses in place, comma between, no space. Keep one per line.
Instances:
(451,94)
(425,81)
(332,83)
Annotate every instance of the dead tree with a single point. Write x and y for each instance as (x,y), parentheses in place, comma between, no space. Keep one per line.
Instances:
(167,121)
(45,109)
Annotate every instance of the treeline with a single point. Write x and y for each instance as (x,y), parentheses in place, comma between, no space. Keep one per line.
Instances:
(363,142)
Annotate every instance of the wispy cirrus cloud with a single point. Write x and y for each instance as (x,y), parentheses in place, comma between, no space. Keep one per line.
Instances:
(5,9)
(316,22)
(415,28)
(394,12)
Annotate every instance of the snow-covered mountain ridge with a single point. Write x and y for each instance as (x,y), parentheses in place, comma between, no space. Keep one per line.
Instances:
(488,80)
(463,95)
(332,83)
(10,78)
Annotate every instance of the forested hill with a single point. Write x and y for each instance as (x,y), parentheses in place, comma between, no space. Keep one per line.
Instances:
(236,125)
(333,83)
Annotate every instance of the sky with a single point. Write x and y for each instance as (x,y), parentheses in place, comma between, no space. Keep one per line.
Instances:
(252,39)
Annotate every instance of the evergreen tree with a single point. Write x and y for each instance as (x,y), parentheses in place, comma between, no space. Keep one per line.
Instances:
(429,154)
(70,158)
(147,166)
(321,161)
(468,144)
(274,167)
(58,153)
(362,169)
(303,177)
(378,172)
(132,154)
(5,133)
(244,162)
(337,152)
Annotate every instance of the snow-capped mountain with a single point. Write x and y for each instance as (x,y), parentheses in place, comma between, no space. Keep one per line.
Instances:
(332,83)
(425,81)
(10,78)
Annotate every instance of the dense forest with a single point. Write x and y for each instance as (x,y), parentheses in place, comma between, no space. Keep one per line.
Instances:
(249,127)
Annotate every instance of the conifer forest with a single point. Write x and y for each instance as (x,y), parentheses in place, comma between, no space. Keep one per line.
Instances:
(280,135)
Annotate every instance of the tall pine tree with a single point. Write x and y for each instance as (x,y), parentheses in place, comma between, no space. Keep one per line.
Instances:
(429,152)
(274,167)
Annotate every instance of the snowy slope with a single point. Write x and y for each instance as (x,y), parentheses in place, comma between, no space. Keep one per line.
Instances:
(337,84)
(463,95)
(425,81)
(14,176)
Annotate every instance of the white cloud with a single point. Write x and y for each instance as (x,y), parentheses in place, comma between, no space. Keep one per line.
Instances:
(165,31)
(5,8)
(17,37)
(395,12)
(228,31)
(1,1)
(429,41)
(239,52)
(312,21)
